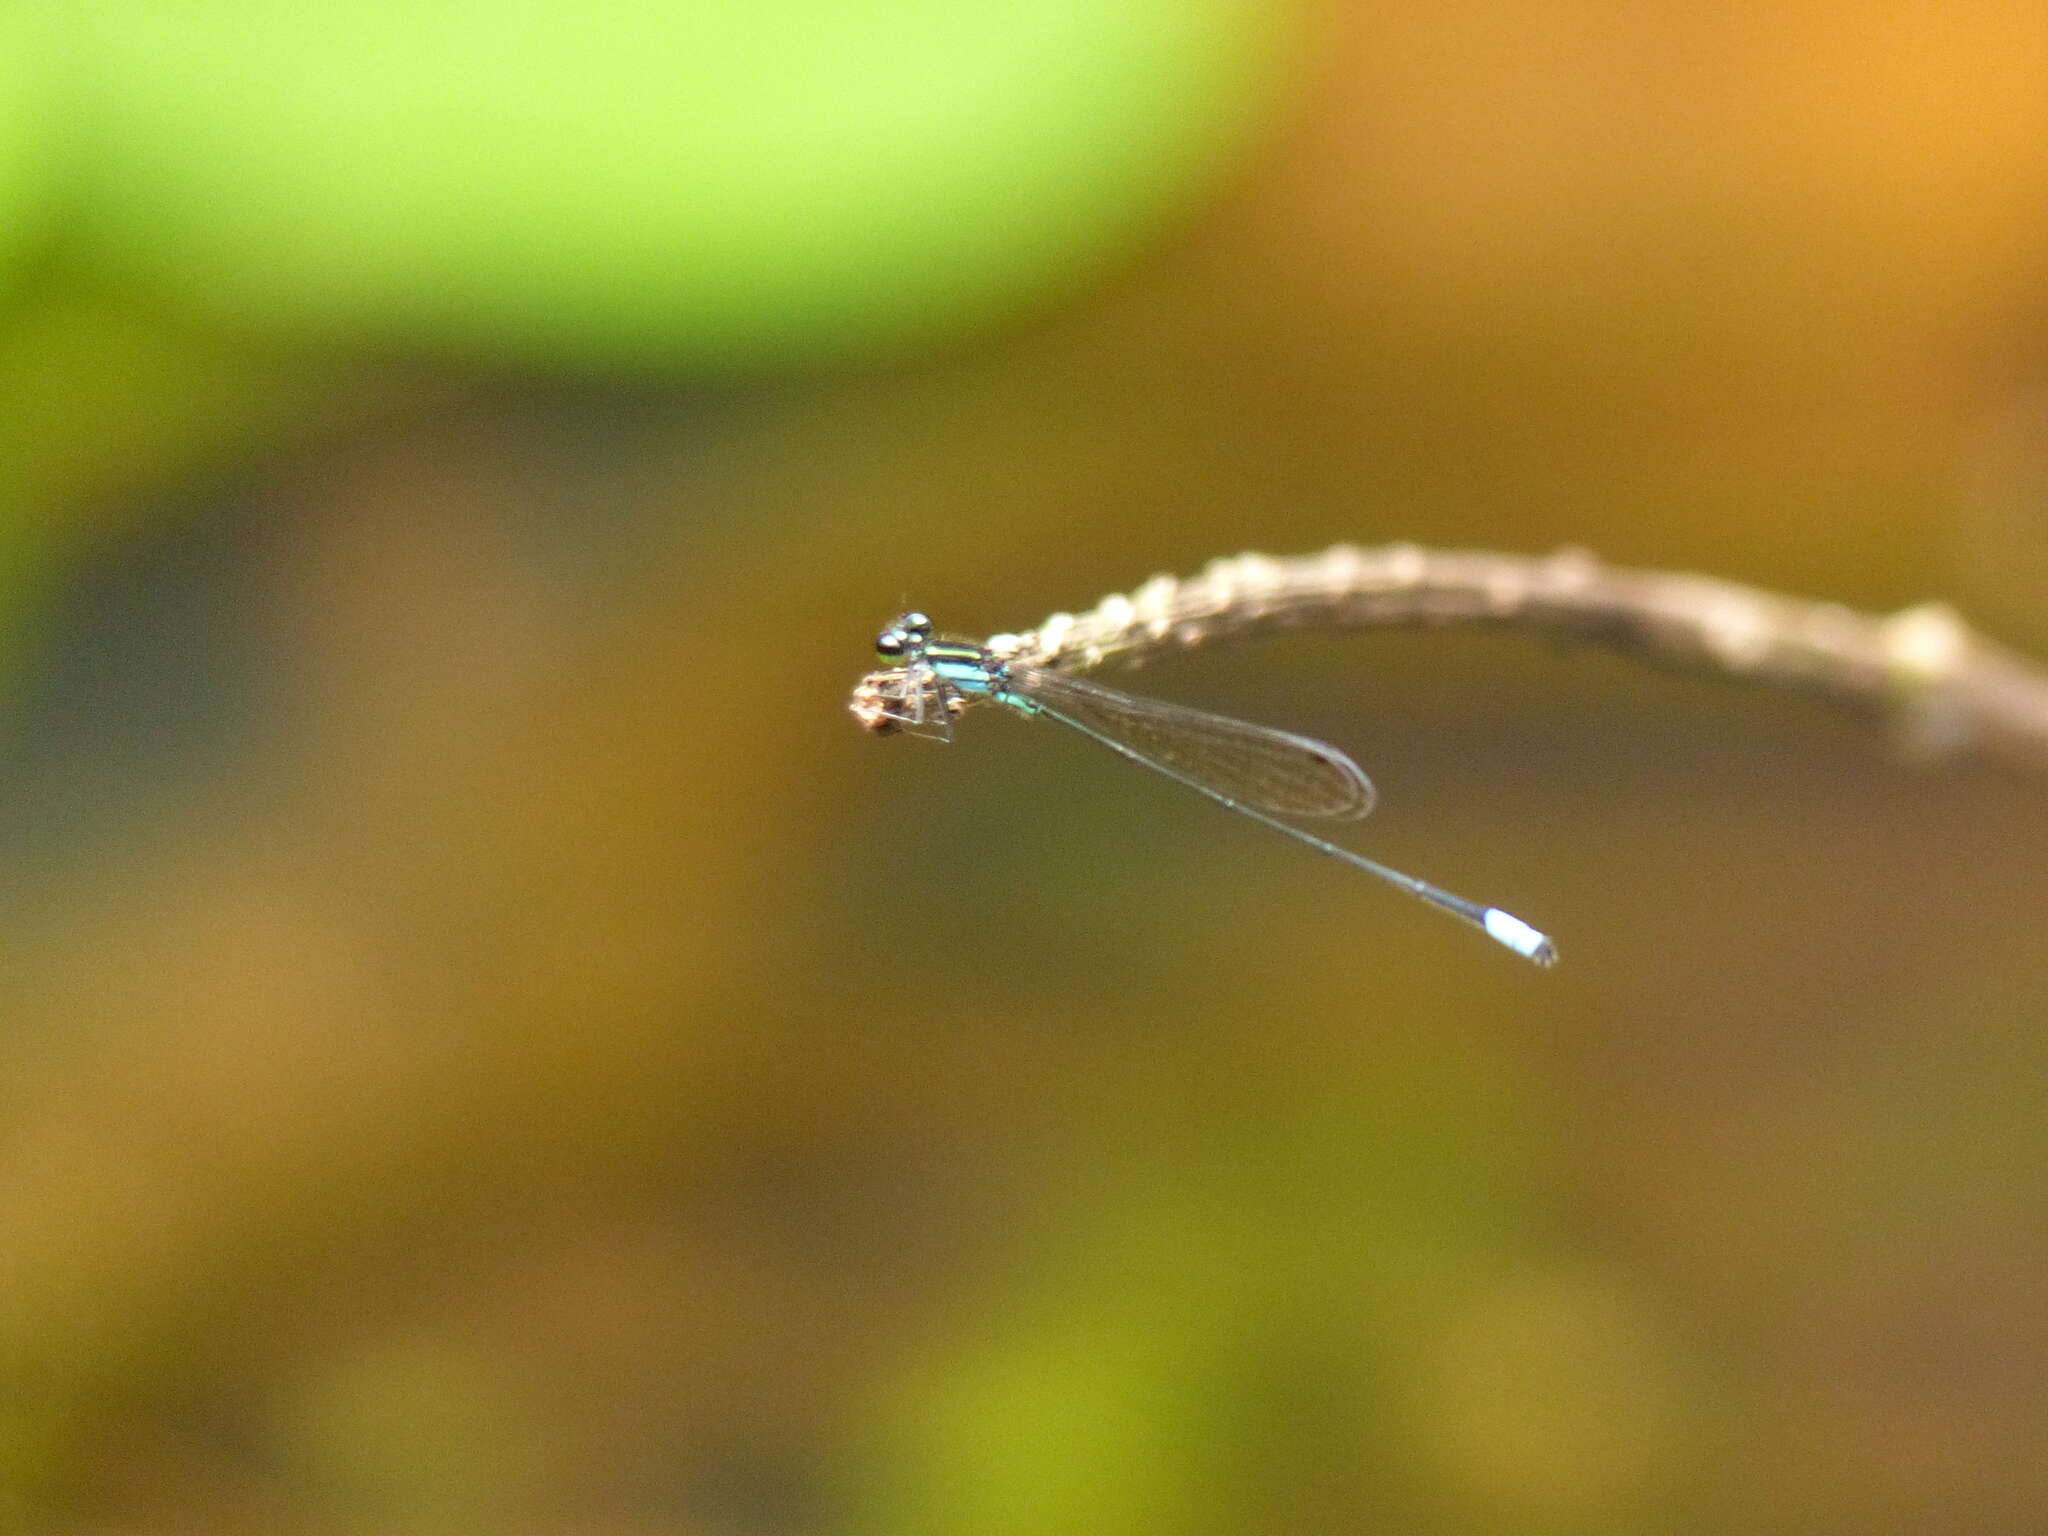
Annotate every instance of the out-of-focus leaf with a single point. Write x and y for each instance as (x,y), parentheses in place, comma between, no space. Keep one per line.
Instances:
(651,182)
(24,143)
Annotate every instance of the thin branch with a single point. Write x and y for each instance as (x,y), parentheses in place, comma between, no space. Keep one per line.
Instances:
(1942,689)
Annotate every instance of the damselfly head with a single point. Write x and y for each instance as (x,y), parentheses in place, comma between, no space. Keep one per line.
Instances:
(906,636)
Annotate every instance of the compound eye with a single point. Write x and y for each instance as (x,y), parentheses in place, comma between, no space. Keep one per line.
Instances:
(908,633)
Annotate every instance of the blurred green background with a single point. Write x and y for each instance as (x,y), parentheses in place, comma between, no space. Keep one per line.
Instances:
(486,1045)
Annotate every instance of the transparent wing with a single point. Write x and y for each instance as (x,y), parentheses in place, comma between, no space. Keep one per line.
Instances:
(1252,764)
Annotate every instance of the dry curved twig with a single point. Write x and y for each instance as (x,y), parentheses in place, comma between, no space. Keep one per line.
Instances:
(1943,690)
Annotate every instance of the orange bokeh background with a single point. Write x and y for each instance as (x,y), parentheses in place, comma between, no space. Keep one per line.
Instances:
(494,1048)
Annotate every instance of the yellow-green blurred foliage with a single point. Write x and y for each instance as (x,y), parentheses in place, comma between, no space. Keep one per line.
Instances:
(487,1046)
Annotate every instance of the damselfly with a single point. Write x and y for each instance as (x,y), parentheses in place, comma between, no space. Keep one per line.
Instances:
(1251,769)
